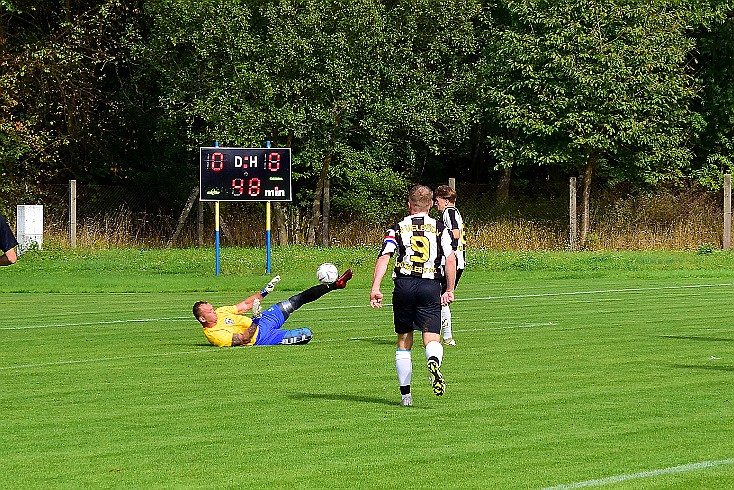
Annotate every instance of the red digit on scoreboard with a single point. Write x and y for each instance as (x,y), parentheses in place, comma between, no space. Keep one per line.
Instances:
(216,162)
(254,189)
(238,186)
(274,161)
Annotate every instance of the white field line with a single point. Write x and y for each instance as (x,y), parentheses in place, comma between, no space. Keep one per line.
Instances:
(508,327)
(180,318)
(102,322)
(211,350)
(105,359)
(643,474)
(485,298)
(599,291)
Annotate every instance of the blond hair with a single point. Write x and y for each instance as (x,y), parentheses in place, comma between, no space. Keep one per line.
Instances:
(421,198)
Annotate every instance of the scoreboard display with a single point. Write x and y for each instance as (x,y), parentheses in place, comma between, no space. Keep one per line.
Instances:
(245,174)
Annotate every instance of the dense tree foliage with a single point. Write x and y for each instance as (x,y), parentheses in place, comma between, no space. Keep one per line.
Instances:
(357,89)
(65,107)
(590,85)
(715,155)
(371,95)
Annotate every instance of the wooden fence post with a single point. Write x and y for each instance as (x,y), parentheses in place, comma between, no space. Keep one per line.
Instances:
(72,213)
(200,223)
(727,211)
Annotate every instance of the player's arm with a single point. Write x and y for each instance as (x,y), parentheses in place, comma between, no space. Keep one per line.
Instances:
(450,271)
(380,269)
(246,304)
(244,338)
(453,224)
(8,258)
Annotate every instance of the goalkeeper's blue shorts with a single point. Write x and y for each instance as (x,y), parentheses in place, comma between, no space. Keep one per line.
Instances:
(270,333)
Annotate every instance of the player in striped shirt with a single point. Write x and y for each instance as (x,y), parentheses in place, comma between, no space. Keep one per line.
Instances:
(420,245)
(445,199)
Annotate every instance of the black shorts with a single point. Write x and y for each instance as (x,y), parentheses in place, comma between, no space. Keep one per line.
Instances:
(456,283)
(416,305)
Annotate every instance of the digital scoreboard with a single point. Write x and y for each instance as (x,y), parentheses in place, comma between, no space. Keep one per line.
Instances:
(245,174)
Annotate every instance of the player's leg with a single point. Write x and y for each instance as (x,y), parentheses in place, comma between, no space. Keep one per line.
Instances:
(428,319)
(270,333)
(312,294)
(448,338)
(402,299)
(446,321)
(272,319)
(404,368)
(296,336)
(277,336)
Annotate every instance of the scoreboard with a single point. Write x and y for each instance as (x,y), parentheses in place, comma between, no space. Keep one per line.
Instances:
(244,174)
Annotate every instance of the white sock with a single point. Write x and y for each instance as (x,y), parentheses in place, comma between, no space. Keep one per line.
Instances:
(435,349)
(404,366)
(446,321)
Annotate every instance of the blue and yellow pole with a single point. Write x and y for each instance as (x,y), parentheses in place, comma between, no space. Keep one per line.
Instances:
(267,230)
(216,236)
(267,236)
(216,231)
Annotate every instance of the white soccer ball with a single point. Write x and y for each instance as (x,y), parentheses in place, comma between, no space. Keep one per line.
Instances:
(327,273)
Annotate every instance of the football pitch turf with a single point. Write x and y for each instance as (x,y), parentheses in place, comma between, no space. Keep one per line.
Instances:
(560,379)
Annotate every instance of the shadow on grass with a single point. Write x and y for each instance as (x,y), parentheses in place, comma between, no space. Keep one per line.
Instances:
(698,338)
(374,341)
(344,398)
(706,368)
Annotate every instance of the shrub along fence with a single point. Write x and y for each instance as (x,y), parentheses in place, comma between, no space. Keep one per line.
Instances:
(112,216)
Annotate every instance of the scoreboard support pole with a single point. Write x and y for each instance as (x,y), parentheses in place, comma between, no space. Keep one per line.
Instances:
(267,237)
(267,229)
(244,174)
(216,237)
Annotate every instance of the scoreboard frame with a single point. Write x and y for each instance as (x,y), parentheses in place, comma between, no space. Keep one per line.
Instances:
(245,174)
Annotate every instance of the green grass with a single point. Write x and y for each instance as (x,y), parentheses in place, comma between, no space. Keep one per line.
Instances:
(569,367)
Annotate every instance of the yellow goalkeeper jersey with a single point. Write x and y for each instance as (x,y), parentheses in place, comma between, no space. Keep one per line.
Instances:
(228,324)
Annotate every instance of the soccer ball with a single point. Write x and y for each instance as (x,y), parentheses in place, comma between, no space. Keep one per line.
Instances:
(327,273)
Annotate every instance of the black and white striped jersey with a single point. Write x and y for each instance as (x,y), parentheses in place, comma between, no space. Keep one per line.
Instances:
(453,221)
(420,244)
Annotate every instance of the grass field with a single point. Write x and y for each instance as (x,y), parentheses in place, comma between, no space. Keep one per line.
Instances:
(572,370)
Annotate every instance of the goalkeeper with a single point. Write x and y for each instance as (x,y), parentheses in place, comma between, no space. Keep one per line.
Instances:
(227,326)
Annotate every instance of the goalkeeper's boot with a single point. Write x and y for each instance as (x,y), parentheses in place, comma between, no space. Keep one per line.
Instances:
(257,308)
(448,341)
(297,336)
(270,286)
(341,281)
(407,401)
(436,378)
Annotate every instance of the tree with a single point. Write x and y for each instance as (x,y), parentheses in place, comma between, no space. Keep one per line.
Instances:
(590,86)
(715,71)
(62,67)
(354,88)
